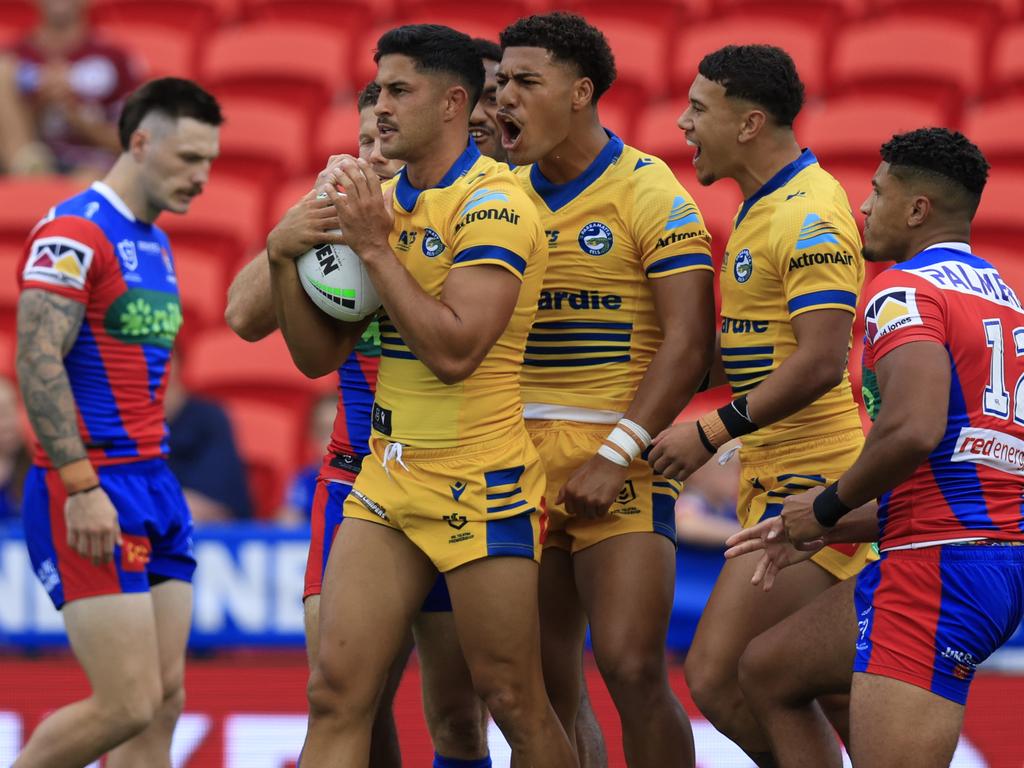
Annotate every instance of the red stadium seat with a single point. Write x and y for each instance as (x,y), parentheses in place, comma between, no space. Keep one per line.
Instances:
(164,51)
(805,41)
(203,290)
(25,200)
(224,219)
(290,63)
(855,178)
(17,18)
(454,13)
(197,17)
(854,128)
(10,257)
(995,128)
(221,365)
(1007,64)
(268,438)
(1009,263)
(337,132)
(347,17)
(825,12)
(641,46)
(940,62)
(658,132)
(285,196)
(617,116)
(261,140)
(976,13)
(998,222)
(8,346)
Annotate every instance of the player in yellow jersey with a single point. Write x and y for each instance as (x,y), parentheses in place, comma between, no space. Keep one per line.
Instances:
(789,281)
(623,338)
(453,483)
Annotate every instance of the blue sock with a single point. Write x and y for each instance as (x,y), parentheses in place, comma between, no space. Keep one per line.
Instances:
(440,761)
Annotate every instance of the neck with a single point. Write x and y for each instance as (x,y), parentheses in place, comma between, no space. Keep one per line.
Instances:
(124,179)
(926,240)
(436,160)
(575,154)
(764,161)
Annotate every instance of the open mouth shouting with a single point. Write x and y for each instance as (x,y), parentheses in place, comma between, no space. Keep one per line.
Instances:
(511,131)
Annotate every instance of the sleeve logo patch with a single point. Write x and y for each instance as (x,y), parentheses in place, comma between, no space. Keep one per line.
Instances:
(890,310)
(483,197)
(58,261)
(683,212)
(816,232)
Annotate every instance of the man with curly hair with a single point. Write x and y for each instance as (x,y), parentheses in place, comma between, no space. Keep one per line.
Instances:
(622,339)
(790,277)
(944,462)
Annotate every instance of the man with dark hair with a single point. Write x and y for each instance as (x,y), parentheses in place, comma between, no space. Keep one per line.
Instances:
(623,337)
(452,483)
(106,524)
(483,123)
(944,372)
(455,715)
(790,278)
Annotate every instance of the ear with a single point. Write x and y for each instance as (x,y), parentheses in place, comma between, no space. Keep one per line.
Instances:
(751,125)
(138,142)
(582,94)
(920,211)
(456,103)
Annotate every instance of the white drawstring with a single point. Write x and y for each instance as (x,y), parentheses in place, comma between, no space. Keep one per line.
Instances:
(393,453)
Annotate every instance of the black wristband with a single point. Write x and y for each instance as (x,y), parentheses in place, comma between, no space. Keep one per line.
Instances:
(85,490)
(704,439)
(736,418)
(828,507)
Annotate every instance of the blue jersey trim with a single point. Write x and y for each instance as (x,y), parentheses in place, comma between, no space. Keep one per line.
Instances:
(559,195)
(596,324)
(357,398)
(407,194)
(847,298)
(679,262)
(492,253)
(776,182)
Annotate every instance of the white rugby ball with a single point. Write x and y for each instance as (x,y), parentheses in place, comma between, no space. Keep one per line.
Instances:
(336,280)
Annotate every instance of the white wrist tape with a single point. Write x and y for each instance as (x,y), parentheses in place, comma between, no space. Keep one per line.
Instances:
(607,452)
(628,435)
(636,429)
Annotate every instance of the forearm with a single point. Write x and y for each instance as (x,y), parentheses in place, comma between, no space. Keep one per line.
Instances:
(250,311)
(858,526)
(317,343)
(891,453)
(800,380)
(50,404)
(676,371)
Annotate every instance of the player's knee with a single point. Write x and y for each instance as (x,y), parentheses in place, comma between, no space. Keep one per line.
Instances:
(505,696)
(135,707)
(173,702)
(461,731)
(337,696)
(635,673)
(708,686)
(755,671)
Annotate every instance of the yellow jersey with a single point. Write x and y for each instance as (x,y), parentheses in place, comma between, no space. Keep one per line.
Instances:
(794,248)
(478,214)
(624,221)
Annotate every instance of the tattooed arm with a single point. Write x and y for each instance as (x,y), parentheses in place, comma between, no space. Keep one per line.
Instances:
(48,325)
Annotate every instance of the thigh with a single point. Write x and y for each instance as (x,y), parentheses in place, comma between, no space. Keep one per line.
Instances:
(311,622)
(894,724)
(628,606)
(172,609)
(114,638)
(737,611)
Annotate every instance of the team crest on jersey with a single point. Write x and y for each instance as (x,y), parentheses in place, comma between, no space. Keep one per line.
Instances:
(432,244)
(743,266)
(58,261)
(596,239)
(129,257)
(891,309)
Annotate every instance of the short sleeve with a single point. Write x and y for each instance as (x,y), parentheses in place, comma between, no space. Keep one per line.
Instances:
(667,225)
(901,309)
(63,256)
(492,227)
(820,259)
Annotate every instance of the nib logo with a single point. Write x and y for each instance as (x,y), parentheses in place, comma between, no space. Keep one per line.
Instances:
(457,489)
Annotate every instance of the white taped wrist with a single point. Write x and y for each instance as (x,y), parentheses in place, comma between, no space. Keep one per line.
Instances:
(636,429)
(607,452)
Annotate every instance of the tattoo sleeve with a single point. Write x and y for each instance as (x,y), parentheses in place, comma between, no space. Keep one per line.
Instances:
(48,325)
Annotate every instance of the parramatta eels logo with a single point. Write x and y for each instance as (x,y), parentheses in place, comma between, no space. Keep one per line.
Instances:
(743,267)
(595,239)
(432,244)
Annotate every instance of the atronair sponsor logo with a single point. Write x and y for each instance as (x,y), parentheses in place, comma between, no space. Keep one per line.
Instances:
(808,259)
(678,237)
(490,214)
(578,300)
(991,448)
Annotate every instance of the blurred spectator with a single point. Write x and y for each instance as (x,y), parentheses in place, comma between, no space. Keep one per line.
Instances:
(14,457)
(299,500)
(706,509)
(61,89)
(204,457)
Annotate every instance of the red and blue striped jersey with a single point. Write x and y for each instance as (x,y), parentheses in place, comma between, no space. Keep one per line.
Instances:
(972,484)
(357,382)
(91,249)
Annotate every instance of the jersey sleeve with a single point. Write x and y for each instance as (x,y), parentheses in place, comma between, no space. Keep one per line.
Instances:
(819,253)
(901,309)
(667,225)
(489,229)
(63,256)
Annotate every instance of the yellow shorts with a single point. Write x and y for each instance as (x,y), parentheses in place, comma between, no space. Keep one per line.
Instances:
(769,475)
(646,503)
(456,504)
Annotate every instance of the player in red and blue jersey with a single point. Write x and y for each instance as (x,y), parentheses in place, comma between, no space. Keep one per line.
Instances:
(945,460)
(106,524)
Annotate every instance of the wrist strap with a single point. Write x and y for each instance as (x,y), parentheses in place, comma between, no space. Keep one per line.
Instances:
(828,507)
(704,440)
(736,417)
(607,452)
(78,476)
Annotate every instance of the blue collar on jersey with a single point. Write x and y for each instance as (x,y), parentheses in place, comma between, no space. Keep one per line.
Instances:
(777,181)
(407,194)
(558,195)
(936,253)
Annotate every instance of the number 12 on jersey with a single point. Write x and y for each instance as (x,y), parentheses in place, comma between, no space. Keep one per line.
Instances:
(996,401)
